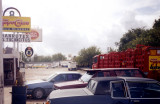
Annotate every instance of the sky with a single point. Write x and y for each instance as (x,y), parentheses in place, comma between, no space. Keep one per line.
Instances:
(71,25)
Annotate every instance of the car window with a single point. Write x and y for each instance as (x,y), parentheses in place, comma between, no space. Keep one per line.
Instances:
(102,88)
(128,73)
(87,76)
(60,78)
(103,74)
(50,78)
(76,76)
(118,89)
(69,77)
(144,89)
(92,85)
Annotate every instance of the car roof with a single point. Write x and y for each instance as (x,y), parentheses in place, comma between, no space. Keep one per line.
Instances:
(122,78)
(105,69)
(68,73)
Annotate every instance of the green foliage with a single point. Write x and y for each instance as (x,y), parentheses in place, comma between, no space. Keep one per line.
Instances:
(24,58)
(58,57)
(86,55)
(150,37)
(55,57)
(131,38)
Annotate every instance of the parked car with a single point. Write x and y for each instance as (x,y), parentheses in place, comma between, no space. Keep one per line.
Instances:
(111,90)
(41,88)
(105,72)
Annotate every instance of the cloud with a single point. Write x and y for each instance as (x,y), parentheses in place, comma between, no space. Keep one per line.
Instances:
(71,25)
(129,21)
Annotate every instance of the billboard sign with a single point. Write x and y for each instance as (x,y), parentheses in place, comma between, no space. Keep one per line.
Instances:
(36,35)
(16,24)
(16,37)
(154,62)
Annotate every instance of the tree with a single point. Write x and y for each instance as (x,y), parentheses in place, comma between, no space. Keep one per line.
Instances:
(24,58)
(149,37)
(58,57)
(131,38)
(86,55)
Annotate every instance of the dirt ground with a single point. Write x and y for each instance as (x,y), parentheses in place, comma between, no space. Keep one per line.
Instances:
(33,74)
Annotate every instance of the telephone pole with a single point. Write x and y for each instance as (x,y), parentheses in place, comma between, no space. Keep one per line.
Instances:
(1,59)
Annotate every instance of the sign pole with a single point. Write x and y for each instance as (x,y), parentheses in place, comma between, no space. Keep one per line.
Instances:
(1,59)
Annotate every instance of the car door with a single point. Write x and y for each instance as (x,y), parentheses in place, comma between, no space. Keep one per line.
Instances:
(71,77)
(60,78)
(119,93)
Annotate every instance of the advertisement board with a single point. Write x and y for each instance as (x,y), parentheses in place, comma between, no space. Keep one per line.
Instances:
(19,37)
(35,34)
(16,24)
(154,62)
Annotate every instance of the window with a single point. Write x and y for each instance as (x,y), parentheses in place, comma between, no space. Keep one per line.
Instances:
(128,73)
(60,78)
(103,74)
(87,76)
(118,89)
(101,57)
(76,76)
(100,74)
(144,89)
(95,60)
(69,77)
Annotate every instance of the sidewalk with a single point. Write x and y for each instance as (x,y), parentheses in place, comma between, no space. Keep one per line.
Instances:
(8,97)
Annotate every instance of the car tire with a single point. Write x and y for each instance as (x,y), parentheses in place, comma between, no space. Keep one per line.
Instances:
(38,93)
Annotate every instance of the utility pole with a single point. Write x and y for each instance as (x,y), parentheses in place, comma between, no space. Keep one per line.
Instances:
(1,59)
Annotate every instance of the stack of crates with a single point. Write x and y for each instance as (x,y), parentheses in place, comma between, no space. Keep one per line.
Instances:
(111,59)
(122,60)
(117,60)
(139,57)
(130,58)
(106,61)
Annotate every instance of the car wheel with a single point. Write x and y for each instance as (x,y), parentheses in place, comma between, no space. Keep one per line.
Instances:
(38,93)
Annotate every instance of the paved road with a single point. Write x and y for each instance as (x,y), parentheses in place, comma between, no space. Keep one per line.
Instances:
(33,74)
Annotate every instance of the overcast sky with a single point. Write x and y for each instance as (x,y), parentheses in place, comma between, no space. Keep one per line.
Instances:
(71,25)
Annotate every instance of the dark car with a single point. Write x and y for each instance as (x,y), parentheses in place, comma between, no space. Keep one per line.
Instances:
(105,72)
(41,88)
(111,90)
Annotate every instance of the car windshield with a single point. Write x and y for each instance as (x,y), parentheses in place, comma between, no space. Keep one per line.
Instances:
(50,77)
(86,77)
(144,89)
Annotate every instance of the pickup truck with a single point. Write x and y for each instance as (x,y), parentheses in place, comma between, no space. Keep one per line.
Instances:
(110,90)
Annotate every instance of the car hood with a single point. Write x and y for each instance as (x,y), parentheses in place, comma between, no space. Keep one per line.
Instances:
(69,93)
(70,84)
(34,82)
(75,96)
(38,83)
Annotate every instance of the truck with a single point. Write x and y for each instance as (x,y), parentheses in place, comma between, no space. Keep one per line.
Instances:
(72,66)
(146,58)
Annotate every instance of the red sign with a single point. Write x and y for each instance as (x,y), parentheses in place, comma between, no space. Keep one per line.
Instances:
(36,35)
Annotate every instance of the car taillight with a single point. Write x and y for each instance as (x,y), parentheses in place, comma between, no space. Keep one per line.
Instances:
(48,102)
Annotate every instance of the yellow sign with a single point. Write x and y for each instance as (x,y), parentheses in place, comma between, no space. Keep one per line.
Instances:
(16,24)
(154,62)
